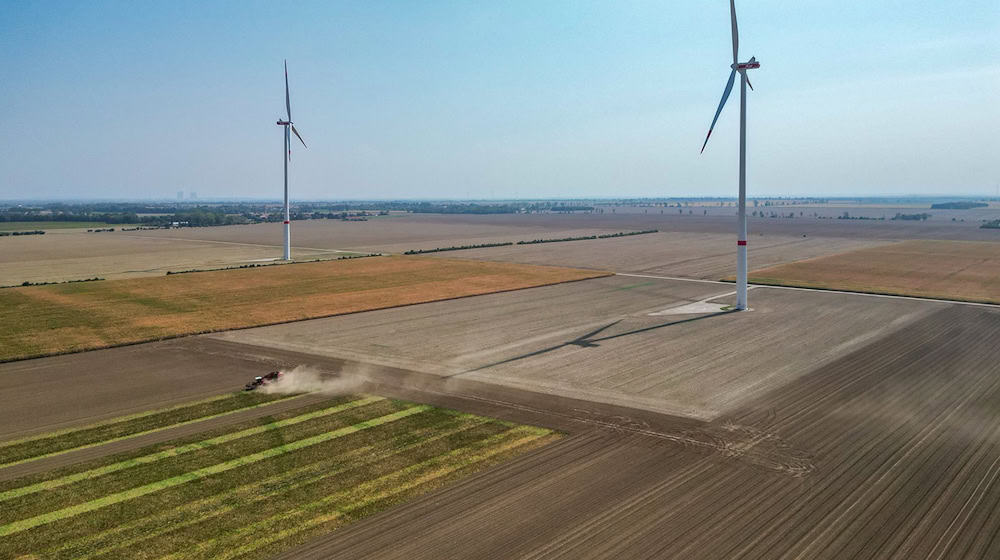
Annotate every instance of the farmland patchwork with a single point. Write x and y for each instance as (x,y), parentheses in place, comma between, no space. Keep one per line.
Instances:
(244,491)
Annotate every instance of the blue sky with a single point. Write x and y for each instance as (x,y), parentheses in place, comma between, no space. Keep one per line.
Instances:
(496,99)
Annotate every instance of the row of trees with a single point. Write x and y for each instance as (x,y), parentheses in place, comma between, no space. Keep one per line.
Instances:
(915,217)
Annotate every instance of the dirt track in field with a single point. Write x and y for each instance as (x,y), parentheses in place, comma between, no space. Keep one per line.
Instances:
(889,450)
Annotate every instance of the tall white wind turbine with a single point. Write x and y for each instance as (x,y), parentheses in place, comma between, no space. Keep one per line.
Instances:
(287,156)
(741,67)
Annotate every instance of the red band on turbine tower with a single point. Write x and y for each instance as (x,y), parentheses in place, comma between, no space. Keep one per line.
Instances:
(286,221)
(741,242)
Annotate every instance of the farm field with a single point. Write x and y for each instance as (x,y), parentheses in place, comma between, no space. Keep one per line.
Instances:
(685,240)
(882,444)
(891,451)
(689,255)
(935,269)
(77,316)
(611,340)
(251,489)
(73,255)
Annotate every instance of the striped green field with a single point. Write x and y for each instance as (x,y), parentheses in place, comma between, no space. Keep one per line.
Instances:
(55,443)
(248,490)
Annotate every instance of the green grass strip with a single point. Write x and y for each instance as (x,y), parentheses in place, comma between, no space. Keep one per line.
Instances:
(446,464)
(115,420)
(133,493)
(214,506)
(211,442)
(150,431)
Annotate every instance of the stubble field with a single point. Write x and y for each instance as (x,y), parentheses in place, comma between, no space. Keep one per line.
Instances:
(41,320)
(935,269)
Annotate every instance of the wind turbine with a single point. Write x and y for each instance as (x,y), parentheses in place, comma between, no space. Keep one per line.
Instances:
(286,155)
(741,67)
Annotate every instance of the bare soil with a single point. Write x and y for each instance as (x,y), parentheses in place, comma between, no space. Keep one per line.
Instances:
(605,340)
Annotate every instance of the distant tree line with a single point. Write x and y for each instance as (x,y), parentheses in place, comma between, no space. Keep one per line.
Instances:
(914,217)
(10,233)
(848,216)
(28,283)
(992,224)
(456,248)
(584,237)
(192,217)
(962,205)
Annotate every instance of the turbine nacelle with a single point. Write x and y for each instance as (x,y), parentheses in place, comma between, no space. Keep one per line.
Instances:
(283,123)
(751,64)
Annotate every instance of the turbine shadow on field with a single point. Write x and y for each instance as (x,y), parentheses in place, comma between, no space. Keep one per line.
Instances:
(587,340)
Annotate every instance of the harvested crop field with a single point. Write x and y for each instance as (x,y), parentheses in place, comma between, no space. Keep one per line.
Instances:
(41,320)
(961,270)
(691,255)
(253,489)
(73,255)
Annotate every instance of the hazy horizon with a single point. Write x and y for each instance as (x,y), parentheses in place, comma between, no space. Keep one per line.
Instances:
(463,101)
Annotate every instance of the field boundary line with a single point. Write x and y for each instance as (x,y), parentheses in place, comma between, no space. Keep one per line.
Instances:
(217,500)
(822,290)
(153,457)
(133,493)
(151,431)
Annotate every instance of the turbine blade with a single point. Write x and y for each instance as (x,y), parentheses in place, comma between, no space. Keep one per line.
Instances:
(725,96)
(288,103)
(299,136)
(736,32)
(748,81)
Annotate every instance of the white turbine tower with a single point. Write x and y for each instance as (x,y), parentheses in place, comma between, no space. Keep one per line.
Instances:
(286,155)
(741,67)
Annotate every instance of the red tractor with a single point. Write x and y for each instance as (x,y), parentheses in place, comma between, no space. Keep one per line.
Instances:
(262,380)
